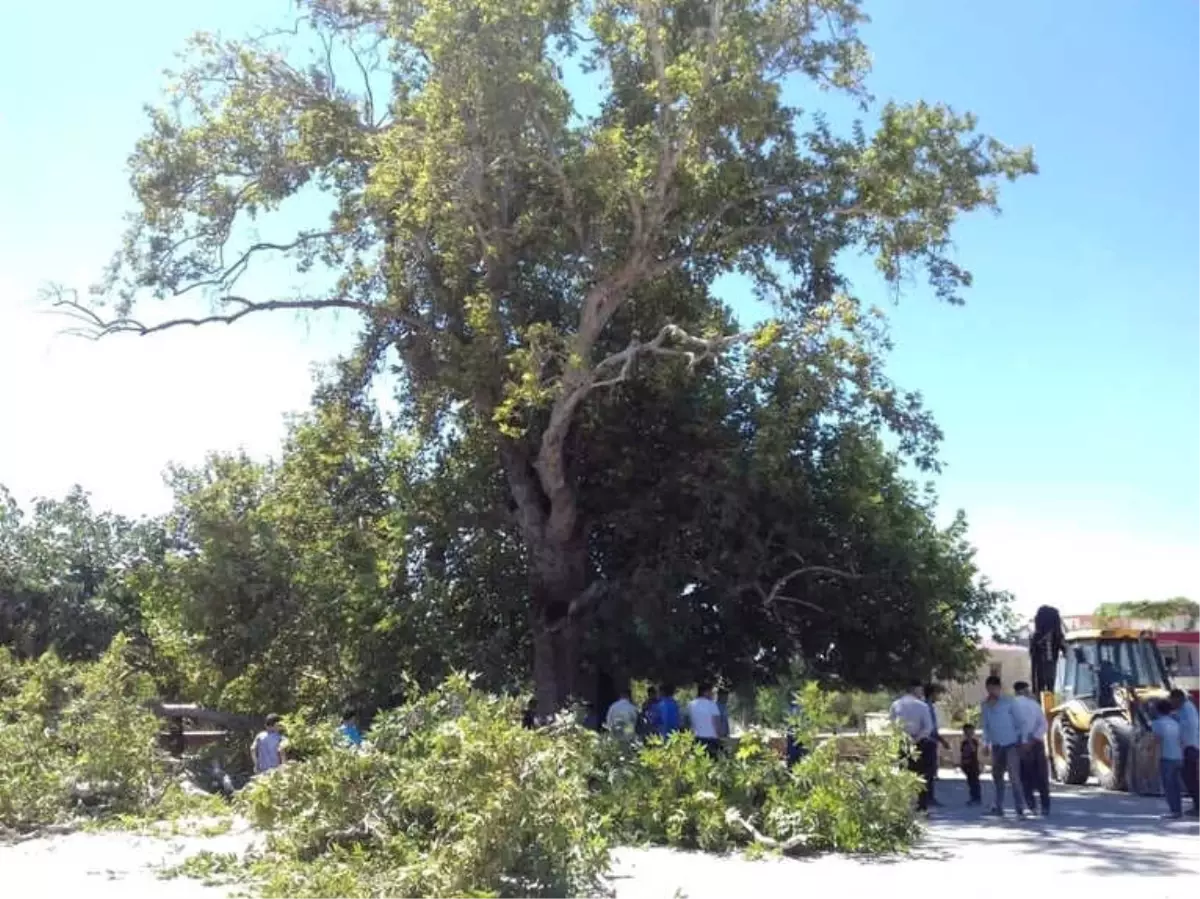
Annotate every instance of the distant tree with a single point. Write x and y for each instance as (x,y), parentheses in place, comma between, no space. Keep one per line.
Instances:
(62,568)
(1154,610)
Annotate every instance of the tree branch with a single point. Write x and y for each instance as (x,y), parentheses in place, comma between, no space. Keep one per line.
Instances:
(229,276)
(775,594)
(694,349)
(791,844)
(94,326)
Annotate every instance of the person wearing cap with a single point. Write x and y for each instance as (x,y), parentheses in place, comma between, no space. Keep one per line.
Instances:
(1035,772)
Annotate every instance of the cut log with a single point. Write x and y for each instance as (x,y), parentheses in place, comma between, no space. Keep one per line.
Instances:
(201,715)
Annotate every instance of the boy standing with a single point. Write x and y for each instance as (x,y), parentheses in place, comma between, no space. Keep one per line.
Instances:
(268,750)
(969,762)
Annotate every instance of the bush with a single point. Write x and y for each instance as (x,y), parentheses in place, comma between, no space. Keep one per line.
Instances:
(453,798)
(75,738)
(673,793)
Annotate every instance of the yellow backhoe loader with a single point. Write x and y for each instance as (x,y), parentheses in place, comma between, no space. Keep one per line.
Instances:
(1094,686)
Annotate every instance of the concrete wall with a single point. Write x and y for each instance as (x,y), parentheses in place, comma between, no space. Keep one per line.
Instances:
(1011,663)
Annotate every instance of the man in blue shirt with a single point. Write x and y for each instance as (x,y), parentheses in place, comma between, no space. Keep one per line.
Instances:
(1001,727)
(1189,734)
(666,713)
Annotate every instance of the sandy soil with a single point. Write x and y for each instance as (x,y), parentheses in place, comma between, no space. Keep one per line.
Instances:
(1090,835)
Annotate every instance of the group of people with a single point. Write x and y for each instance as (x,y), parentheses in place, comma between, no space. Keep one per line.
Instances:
(705,716)
(1177,728)
(1014,727)
(269,748)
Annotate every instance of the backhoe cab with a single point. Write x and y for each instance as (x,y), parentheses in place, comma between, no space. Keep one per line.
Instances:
(1102,680)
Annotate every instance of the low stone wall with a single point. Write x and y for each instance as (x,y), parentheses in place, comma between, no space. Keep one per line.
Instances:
(851,746)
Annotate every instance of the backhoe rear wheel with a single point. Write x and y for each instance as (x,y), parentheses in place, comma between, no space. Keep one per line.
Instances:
(1110,743)
(1069,753)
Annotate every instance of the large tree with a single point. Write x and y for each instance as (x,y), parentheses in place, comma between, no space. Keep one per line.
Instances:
(520,255)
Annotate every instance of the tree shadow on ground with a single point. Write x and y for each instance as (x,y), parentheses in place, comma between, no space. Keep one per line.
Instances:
(1110,833)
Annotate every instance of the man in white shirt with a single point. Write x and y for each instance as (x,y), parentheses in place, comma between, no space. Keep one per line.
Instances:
(1035,771)
(911,713)
(622,718)
(1189,735)
(705,717)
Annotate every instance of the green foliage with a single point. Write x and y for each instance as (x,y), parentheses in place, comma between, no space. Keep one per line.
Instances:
(829,710)
(674,793)
(61,567)
(453,798)
(75,739)
(1155,609)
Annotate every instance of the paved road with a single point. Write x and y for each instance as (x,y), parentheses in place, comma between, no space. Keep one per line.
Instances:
(1093,841)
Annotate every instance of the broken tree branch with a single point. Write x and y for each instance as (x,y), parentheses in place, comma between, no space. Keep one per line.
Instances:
(694,349)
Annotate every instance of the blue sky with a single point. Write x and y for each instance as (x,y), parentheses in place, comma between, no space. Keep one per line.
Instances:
(1068,387)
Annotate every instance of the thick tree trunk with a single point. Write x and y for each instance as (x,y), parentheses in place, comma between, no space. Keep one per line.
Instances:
(558,578)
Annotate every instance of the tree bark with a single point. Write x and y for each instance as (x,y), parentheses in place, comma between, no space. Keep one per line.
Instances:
(556,544)
(558,578)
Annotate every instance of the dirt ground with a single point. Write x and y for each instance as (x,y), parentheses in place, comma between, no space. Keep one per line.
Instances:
(1090,835)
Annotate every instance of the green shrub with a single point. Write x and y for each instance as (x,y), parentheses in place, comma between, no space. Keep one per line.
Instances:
(673,793)
(75,737)
(453,798)
(860,805)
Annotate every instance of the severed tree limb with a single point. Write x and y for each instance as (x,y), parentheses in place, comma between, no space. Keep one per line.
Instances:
(799,841)
(694,349)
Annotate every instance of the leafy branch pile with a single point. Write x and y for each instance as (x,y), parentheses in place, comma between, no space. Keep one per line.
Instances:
(675,794)
(451,797)
(76,740)
(454,797)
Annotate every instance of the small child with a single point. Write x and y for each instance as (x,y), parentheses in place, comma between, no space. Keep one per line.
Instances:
(969,762)
(269,750)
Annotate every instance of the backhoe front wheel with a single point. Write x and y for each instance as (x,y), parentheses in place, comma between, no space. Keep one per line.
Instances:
(1110,742)
(1068,753)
